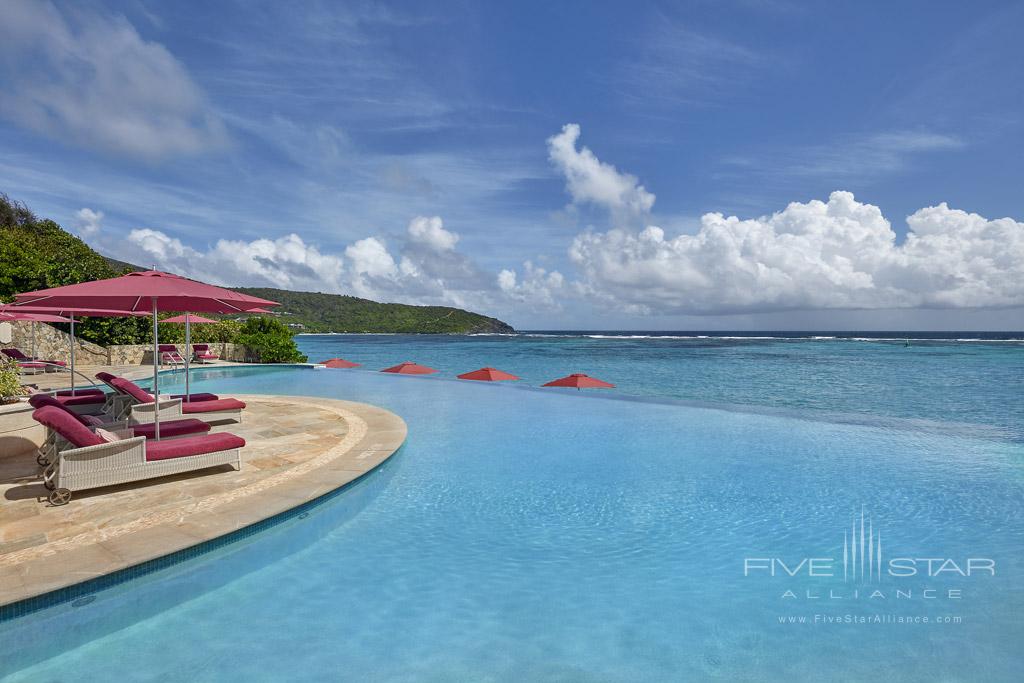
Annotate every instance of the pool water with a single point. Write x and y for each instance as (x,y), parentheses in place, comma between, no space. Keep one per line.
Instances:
(558,535)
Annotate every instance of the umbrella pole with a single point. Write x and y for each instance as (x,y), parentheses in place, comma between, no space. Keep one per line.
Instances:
(156,373)
(188,345)
(72,355)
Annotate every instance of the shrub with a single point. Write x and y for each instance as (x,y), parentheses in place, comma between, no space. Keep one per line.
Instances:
(270,341)
(9,384)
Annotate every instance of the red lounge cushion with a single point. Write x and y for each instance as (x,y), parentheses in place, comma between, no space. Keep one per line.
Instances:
(198,397)
(40,400)
(31,364)
(192,445)
(171,428)
(66,425)
(79,392)
(132,389)
(212,406)
(16,354)
(85,400)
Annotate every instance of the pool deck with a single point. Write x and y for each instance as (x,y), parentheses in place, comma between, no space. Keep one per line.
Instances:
(297,449)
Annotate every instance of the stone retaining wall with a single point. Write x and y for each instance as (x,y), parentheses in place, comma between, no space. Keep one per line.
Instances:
(53,344)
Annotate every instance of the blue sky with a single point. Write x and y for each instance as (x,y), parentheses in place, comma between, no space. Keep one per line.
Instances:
(419,152)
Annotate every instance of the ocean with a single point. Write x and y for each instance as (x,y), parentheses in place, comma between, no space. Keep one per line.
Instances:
(955,380)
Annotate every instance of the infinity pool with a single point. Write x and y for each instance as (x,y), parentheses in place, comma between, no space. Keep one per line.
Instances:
(548,535)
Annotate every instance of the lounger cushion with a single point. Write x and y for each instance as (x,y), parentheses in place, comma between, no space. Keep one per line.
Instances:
(66,425)
(132,389)
(193,407)
(143,396)
(172,428)
(192,445)
(197,397)
(84,400)
(16,354)
(40,400)
(79,392)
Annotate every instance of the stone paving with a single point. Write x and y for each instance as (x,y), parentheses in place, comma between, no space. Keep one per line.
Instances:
(297,449)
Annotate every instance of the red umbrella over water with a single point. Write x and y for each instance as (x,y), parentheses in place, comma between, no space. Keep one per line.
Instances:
(150,290)
(339,363)
(580,381)
(488,375)
(409,368)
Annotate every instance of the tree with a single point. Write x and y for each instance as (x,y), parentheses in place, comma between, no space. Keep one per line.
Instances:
(270,340)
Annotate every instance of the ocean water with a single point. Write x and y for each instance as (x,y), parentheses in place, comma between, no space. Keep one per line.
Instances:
(636,535)
(962,378)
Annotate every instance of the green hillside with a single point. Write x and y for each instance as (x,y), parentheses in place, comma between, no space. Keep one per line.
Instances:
(318,312)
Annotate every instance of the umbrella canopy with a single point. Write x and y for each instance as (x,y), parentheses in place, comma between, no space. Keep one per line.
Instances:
(67,314)
(138,291)
(260,310)
(409,368)
(72,311)
(580,381)
(488,375)
(189,318)
(339,363)
(151,290)
(33,317)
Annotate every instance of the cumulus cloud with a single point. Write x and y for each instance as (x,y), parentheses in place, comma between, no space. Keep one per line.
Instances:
(425,268)
(839,254)
(590,180)
(92,80)
(287,262)
(88,222)
(537,287)
(431,233)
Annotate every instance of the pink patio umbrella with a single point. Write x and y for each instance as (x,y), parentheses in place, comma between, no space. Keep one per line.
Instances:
(188,319)
(580,381)
(69,313)
(33,318)
(488,375)
(339,363)
(409,368)
(151,290)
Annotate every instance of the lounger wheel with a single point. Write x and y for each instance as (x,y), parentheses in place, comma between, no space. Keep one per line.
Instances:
(60,496)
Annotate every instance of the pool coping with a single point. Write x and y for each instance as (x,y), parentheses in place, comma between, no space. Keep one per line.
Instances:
(374,435)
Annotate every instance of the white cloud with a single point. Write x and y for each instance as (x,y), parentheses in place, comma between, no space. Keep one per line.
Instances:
(840,254)
(88,222)
(538,287)
(286,262)
(590,180)
(431,233)
(427,269)
(92,80)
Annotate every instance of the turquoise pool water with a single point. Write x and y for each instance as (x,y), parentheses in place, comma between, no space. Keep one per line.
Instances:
(549,535)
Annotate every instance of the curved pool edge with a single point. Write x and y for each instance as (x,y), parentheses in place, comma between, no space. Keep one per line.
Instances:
(379,434)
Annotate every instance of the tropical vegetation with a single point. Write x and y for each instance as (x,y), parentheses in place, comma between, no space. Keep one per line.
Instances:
(318,312)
